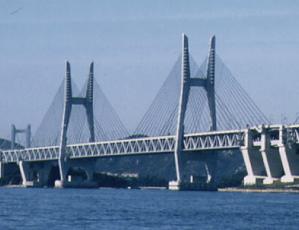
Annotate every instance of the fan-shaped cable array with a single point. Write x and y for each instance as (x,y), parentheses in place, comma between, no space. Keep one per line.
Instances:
(234,107)
(108,125)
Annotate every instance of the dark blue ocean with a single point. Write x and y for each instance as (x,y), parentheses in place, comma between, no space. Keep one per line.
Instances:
(145,209)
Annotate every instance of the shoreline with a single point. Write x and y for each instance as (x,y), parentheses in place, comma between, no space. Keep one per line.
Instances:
(259,190)
(229,189)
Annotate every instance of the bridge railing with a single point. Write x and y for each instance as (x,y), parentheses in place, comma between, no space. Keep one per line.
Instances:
(214,140)
(31,154)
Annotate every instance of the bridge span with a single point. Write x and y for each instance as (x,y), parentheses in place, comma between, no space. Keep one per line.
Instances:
(270,152)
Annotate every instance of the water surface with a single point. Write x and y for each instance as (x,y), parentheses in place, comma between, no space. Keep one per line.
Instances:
(145,209)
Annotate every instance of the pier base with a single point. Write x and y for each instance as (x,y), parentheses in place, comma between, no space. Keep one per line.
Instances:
(24,171)
(58,184)
(289,179)
(188,186)
(28,184)
(253,180)
(174,185)
(270,180)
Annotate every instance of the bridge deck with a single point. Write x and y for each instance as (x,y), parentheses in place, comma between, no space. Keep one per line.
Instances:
(138,146)
(218,140)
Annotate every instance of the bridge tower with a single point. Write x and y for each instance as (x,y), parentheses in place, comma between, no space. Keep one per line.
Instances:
(186,83)
(69,101)
(15,132)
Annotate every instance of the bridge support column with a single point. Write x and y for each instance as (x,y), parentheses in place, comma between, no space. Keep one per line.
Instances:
(25,174)
(15,131)
(184,93)
(288,177)
(271,158)
(186,83)
(250,179)
(63,169)
(265,151)
(211,167)
(252,160)
(288,158)
(69,101)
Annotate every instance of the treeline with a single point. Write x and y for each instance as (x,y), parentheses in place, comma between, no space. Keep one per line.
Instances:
(115,181)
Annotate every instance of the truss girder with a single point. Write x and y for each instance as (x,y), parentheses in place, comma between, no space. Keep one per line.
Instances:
(143,146)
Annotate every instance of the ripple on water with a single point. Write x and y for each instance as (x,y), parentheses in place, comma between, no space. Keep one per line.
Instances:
(145,209)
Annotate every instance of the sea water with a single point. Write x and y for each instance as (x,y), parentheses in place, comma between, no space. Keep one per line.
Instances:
(145,209)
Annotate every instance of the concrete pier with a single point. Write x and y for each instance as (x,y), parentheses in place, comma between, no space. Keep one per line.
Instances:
(289,158)
(69,101)
(271,158)
(186,84)
(276,159)
(253,161)
(25,174)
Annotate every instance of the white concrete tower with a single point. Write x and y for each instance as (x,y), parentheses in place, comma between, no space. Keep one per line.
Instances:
(186,83)
(69,101)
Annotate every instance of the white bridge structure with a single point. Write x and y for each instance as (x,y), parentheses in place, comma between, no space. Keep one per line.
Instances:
(141,146)
(270,152)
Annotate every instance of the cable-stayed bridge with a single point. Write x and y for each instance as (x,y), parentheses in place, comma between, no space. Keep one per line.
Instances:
(199,111)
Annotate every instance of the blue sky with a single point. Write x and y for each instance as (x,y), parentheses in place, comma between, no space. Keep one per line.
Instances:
(134,45)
